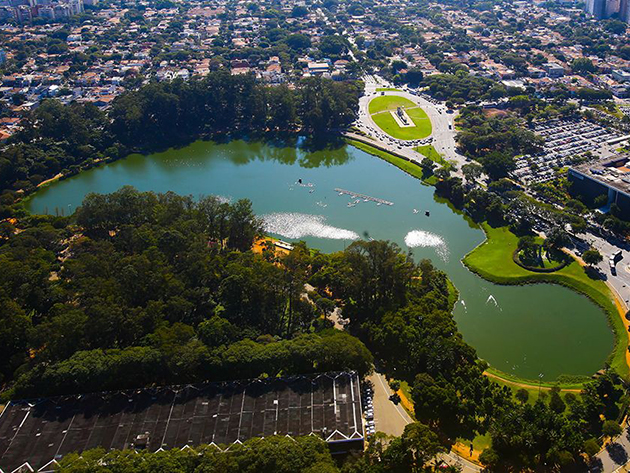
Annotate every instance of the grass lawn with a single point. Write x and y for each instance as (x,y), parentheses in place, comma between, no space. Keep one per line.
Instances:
(388,89)
(409,167)
(430,152)
(544,259)
(380,108)
(615,113)
(492,260)
(389,102)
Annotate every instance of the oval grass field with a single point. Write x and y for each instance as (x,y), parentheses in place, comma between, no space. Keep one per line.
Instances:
(380,108)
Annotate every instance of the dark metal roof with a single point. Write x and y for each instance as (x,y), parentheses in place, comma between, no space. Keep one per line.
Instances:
(39,431)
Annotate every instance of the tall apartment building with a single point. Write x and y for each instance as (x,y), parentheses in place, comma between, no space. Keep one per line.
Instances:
(601,9)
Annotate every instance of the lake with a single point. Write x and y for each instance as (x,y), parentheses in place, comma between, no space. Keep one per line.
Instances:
(523,330)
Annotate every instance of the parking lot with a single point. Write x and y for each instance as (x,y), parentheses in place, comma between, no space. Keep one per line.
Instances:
(566,143)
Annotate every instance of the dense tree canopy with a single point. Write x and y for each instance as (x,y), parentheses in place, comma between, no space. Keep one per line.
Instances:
(60,138)
(161,282)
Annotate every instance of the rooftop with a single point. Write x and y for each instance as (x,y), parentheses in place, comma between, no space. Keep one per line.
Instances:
(613,172)
(39,431)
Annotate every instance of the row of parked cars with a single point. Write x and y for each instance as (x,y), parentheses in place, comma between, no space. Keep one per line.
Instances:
(368,410)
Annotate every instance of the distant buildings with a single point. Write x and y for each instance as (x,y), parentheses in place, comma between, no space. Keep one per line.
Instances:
(601,9)
(620,75)
(25,10)
(553,69)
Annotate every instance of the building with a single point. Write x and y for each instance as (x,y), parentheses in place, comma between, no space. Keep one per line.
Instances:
(620,75)
(46,12)
(553,69)
(40,431)
(601,9)
(318,68)
(610,178)
(596,8)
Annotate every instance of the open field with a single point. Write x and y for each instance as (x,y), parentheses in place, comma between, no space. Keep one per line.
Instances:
(492,260)
(381,106)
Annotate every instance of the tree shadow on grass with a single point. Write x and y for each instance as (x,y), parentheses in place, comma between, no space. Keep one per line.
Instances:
(595,273)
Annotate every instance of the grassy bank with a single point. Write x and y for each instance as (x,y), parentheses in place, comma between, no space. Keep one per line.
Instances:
(401,163)
(430,152)
(492,260)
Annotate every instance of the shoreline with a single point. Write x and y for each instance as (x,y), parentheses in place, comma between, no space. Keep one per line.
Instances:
(619,357)
(616,323)
(534,278)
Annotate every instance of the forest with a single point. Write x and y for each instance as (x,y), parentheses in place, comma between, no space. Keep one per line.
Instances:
(63,139)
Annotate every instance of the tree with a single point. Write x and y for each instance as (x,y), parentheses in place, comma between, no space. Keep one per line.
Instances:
(583,65)
(557,239)
(528,245)
(555,401)
(299,11)
(298,42)
(498,165)
(422,444)
(591,447)
(592,257)
(522,395)
(428,166)
(472,172)
(611,428)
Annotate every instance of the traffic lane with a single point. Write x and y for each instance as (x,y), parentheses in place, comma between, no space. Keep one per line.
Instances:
(613,457)
(389,418)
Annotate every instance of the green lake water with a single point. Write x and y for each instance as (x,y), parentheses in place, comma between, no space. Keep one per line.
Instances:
(523,330)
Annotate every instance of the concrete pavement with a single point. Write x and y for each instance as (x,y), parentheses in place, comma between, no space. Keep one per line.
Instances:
(621,280)
(613,458)
(389,418)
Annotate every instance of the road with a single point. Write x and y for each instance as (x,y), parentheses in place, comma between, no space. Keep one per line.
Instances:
(621,280)
(391,419)
(621,453)
(443,133)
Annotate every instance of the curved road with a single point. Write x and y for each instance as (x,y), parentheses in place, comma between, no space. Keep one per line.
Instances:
(391,419)
(443,129)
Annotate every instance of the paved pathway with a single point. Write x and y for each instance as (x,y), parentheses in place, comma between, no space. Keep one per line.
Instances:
(389,418)
(613,458)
